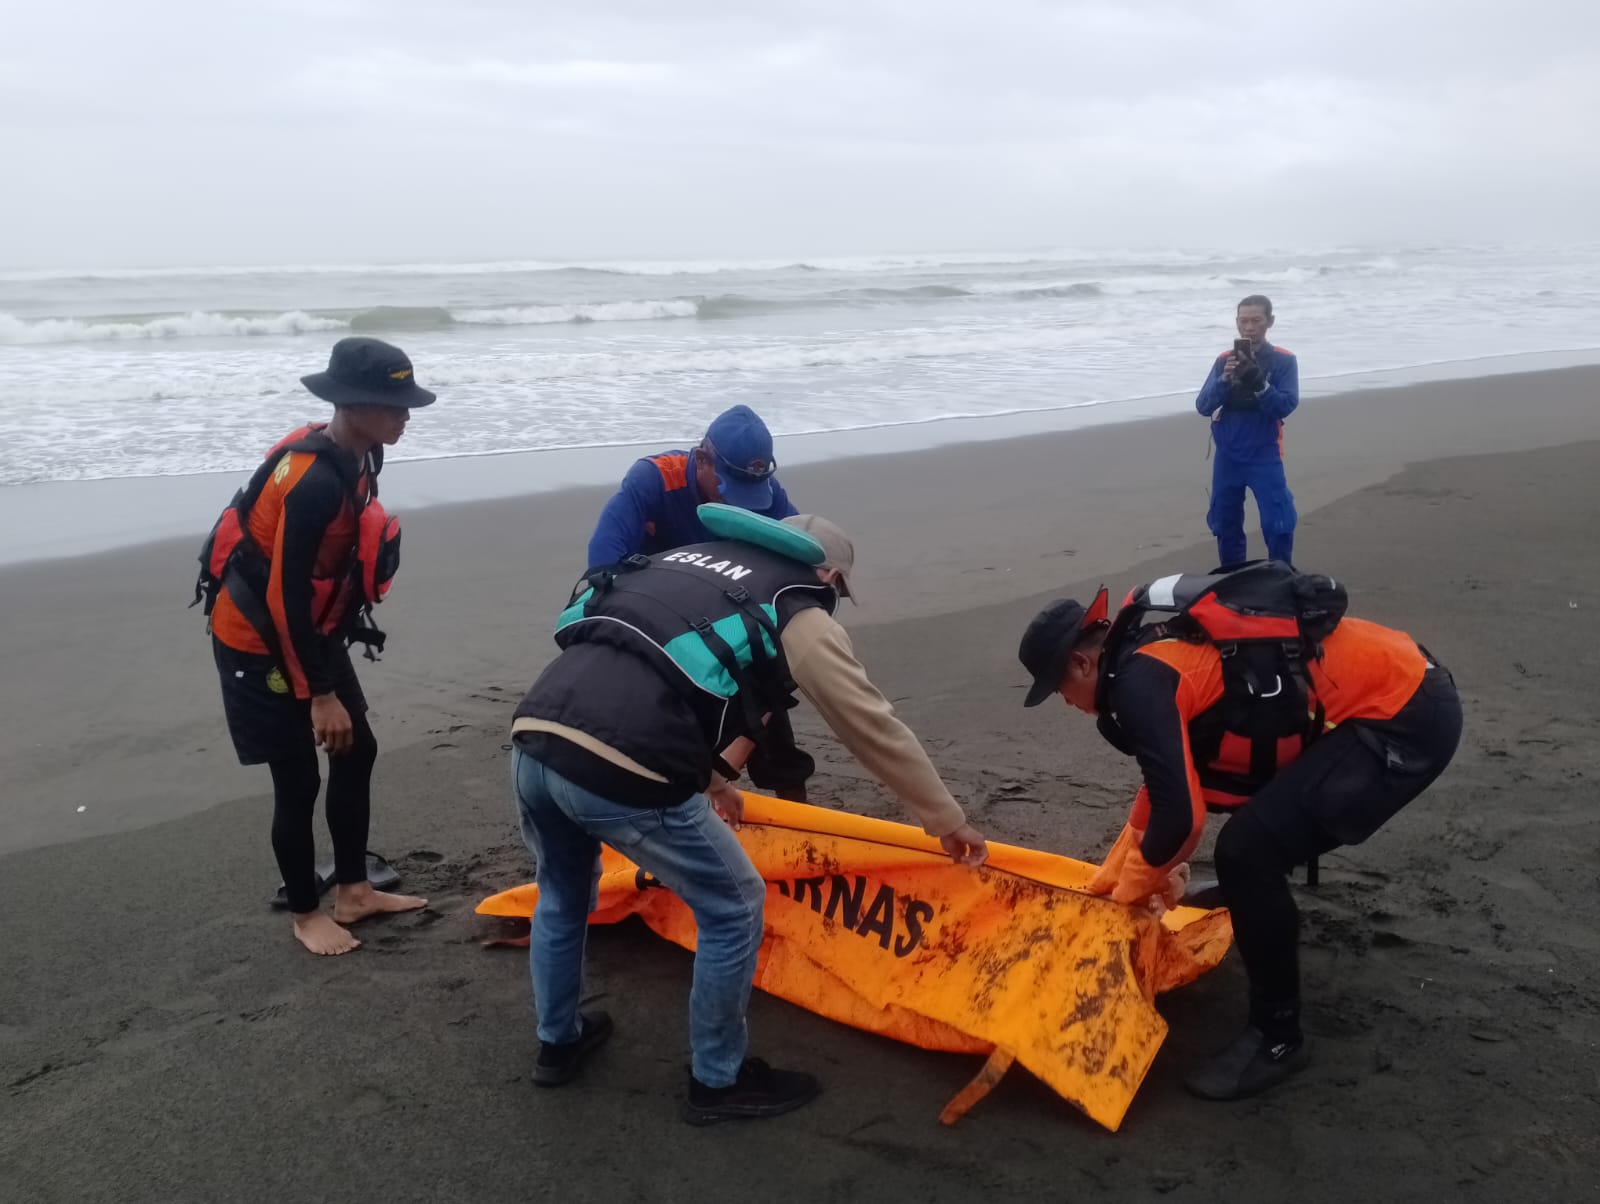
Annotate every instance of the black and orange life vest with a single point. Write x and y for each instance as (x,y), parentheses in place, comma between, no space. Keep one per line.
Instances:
(1267,623)
(355,566)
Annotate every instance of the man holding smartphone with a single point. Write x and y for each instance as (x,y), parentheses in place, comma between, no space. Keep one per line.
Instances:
(1248,394)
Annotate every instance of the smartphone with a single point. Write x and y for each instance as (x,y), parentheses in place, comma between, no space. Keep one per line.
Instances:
(1241,348)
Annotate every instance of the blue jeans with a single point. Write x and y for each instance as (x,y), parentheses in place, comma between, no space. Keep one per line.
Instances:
(686,848)
(1266,480)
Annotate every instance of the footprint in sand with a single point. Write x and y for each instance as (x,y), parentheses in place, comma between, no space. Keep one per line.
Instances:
(34,1075)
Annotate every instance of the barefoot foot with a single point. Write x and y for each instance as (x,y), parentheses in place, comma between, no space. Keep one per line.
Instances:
(357,902)
(318,933)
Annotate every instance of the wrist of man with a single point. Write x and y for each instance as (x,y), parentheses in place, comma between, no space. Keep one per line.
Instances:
(943,826)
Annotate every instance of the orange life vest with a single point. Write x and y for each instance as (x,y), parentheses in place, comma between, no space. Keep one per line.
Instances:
(355,565)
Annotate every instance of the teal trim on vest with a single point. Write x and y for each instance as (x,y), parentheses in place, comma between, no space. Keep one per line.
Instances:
(691,654)
(574,612)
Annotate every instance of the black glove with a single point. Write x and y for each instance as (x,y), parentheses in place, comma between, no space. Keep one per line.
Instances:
(1250,378)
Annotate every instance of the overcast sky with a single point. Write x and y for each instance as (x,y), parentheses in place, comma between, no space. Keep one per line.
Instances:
(219,131)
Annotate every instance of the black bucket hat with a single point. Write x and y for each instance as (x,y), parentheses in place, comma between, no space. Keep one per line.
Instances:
(368,372)
(1050,639)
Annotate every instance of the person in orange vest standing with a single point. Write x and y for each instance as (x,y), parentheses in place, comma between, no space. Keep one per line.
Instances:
(1256,698)
(300,554)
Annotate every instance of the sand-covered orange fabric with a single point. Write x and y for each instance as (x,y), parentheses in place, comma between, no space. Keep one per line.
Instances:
(870,924)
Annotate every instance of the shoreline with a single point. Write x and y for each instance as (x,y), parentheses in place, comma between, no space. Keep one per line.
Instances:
(66,519)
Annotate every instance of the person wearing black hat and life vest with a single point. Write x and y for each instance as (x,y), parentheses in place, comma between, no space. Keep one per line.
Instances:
(654,510)
(287,563)
(669,668)
(1378,720)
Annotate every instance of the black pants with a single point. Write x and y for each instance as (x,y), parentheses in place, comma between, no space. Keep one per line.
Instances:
(1339,792)
(777,764)
(295,785)
(269,725)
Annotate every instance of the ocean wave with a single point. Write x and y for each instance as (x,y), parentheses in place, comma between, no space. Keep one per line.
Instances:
(603,311)
(379,319)
(630,267)
(400,317)
(770,357)
(14,330)
(290,269)
(915,292)
(203,379)
(1296,274)
(1040,292)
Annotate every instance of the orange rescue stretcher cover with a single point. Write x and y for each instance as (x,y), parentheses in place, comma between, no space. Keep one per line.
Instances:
(870,924)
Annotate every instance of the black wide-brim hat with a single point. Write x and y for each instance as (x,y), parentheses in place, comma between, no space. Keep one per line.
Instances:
(1050,639)
(368,372)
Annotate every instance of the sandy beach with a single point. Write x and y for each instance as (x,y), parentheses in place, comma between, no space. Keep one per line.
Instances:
(162,1037)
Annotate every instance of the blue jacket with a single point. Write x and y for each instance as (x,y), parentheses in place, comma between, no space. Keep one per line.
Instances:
(1251,430)
(654,511)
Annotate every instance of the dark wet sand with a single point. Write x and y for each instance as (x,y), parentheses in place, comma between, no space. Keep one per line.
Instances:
(161,1038)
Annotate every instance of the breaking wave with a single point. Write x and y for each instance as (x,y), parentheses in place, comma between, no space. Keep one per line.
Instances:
(15,330)
(194,325)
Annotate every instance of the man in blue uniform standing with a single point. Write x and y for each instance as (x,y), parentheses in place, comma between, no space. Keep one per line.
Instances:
(655,510)
(1248,394)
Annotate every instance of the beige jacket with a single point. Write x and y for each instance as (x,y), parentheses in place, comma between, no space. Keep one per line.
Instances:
(825,669)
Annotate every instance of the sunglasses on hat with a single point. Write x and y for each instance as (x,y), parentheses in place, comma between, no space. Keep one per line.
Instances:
(756,470)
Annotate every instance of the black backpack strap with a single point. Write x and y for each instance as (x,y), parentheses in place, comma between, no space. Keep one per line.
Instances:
(1205,735)
(763,685)
(247,598)
(362,630)
(316,443)
(600,578)
(1263,757)
(745,683)
(1125,638)
(756,625)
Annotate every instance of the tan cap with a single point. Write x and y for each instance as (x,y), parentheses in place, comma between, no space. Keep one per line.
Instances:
(839,552)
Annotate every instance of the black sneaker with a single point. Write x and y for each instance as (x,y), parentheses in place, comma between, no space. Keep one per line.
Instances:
(558,1063)
(759,1091)
(1248,1067)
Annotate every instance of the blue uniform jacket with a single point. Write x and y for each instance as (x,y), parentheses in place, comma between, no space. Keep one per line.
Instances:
(654,511)
(1249,430)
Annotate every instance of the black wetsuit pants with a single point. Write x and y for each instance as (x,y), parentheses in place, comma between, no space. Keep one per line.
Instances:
(778,764)
(1339,792)
(270,726)
(295,785)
